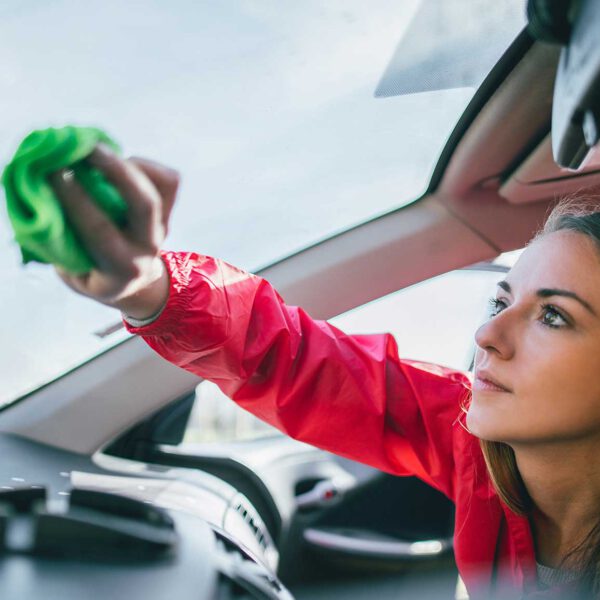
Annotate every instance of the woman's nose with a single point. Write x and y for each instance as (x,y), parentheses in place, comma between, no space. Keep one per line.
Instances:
(494,335)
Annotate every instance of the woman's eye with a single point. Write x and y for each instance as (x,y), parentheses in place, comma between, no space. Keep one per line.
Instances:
(554,315)
(496,305)
(550,316)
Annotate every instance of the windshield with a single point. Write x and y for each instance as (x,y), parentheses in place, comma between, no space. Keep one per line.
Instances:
(289,122)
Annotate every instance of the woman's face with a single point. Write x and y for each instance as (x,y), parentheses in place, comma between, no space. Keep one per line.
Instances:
(548,358)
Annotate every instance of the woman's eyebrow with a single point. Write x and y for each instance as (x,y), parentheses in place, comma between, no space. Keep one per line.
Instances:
(547,292)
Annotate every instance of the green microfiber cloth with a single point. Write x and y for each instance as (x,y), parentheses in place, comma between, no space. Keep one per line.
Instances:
(41,229)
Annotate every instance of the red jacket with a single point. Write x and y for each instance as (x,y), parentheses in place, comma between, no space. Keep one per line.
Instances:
(348,394)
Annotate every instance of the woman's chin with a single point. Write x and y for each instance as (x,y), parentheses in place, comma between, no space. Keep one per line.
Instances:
(482,426)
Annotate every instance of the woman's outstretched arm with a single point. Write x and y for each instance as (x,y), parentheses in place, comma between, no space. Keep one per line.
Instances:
(348,394)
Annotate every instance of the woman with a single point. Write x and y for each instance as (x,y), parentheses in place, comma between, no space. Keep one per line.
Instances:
(521,467)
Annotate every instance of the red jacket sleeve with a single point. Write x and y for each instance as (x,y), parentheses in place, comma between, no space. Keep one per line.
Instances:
(348,394)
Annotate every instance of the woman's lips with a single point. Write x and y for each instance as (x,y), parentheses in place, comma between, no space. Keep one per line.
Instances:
(487,386)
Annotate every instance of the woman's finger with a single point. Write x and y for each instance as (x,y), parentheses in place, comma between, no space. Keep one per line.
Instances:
(95,231)
(166,181)
(139,192)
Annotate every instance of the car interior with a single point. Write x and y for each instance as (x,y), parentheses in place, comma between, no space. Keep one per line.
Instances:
(99,494)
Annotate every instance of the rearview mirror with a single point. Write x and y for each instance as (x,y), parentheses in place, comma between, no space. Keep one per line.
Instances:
(576,102)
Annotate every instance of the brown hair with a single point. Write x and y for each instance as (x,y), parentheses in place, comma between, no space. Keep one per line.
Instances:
(581,214)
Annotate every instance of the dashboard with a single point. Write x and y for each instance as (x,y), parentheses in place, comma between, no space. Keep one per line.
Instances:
(72,527)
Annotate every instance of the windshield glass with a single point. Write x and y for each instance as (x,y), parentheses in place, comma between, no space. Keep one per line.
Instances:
(289,122)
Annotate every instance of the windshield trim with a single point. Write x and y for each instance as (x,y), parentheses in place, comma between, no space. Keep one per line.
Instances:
(493,80)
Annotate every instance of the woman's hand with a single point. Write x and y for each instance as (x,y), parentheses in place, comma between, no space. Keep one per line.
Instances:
(129,274)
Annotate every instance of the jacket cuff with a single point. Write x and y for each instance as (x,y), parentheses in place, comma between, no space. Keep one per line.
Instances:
(176,304)
(140,322)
